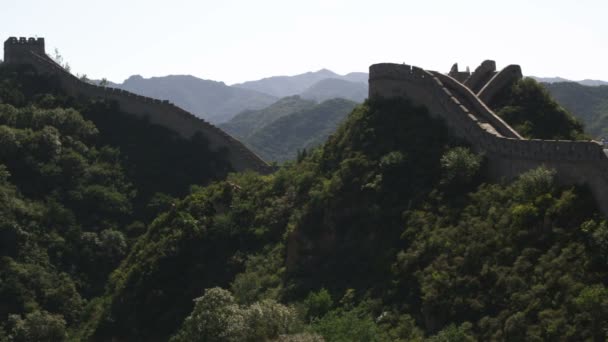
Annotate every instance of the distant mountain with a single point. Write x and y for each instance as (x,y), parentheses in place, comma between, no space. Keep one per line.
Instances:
(330,88)
(248,122)
(281,139)
(550,79)
(588,103)
(282,86)
(585,82)
(356,77)
(593,83)
(210,100)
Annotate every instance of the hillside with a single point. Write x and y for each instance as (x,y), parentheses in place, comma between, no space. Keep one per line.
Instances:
(290,125)
(388,232)
(246,123)
(331,88)
(305,129)
(589,104)
(210,100)
(80,181)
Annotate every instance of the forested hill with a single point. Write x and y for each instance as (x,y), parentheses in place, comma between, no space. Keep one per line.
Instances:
(80,181)
(387,232)
(589,104)
(114,229)
(291,125)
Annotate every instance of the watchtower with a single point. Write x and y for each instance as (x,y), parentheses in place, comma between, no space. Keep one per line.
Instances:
(18,49)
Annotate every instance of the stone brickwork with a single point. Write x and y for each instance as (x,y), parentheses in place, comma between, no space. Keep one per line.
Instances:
(163,113)
(460,76)
(467,117)
(504,78)
(484,72)
(17,49)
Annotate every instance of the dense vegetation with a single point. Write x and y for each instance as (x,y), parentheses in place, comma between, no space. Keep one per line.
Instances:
(530,110)
(79,182)
(248,122)
(387,232)
(290,126)
(589,104)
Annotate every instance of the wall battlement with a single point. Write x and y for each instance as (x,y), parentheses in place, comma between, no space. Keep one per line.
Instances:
(468,117)
(160,112)
(16,49)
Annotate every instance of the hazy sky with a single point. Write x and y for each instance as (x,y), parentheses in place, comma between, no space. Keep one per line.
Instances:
(239,40)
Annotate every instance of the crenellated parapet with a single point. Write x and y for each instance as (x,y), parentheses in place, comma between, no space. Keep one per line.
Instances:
(469,118)
(160,112)
(17,49)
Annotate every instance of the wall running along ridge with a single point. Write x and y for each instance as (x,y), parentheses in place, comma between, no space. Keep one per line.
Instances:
(467,117)
(482,74)
(163,113)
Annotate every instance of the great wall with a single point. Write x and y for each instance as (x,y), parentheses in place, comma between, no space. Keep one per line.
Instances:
(463,101)
(163,113)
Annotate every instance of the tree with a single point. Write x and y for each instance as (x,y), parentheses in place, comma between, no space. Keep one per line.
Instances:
(58,58)
(37,326)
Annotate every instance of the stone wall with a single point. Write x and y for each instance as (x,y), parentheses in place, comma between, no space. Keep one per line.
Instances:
(482,74)
(460,76)
(473,103)
(158,112)
(505,77)
(17,49)
(576,162)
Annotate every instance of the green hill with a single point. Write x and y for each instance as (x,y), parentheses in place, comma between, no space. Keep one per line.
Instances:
(305,129)
(112,228)
(79,182)
(589,104)
(292,124)
(248,122)
(388,232)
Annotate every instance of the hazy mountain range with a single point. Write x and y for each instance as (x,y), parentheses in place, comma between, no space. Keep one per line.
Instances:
(585,82)
(233,104)
(218,102)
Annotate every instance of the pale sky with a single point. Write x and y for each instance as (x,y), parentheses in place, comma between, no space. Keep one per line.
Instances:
(239,40)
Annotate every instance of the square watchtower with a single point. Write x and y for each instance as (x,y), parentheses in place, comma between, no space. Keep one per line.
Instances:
(17,50)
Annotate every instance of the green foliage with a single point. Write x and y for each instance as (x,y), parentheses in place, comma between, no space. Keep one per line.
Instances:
(453,333)
(317,304)
(217,318)
(513,257)
(76,176)
(349,326)
(460,165)
(37,326)
(389,215)
(291,124)
(529,108)
(588,104)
